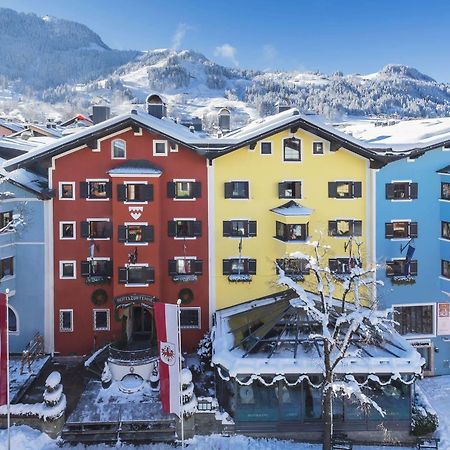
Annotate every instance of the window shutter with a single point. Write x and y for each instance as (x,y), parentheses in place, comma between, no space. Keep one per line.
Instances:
(227,228)
(108,229)
(228,190)
(332,189)
(172,267)
(389,191)
(147,192)
(170,189)
(85,266)
(197,189)
(333,264)
(172,228)
(251,266)
(281,190)
(413,190)
(84,229)
(389,230)
(252,227)
(357,189)
(413,267)
(226,267)
(198,267)
(108,189)
(197,227)
(357,228)
(121,192)
(413,230)
(148,234)
(108,268)
(332,228)
(123,275)
(84,189)
(149,274)
(122,233)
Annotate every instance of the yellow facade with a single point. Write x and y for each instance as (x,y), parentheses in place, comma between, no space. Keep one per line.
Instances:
(264,172)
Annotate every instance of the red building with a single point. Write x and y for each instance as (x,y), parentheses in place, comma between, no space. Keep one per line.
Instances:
(130,214)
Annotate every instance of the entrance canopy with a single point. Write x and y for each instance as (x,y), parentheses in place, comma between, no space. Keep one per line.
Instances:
(270,338)
(124,301)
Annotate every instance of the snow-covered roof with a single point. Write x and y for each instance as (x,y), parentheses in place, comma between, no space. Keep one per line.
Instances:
(11,125)
(292,208)
(139,166)
(271,336)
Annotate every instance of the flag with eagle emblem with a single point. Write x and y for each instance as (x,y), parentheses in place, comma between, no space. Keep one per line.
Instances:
(169,371)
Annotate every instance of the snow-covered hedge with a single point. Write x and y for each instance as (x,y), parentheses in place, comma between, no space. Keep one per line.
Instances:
(424,418)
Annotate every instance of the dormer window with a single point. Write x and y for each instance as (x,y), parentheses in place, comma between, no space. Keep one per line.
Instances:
(118,149)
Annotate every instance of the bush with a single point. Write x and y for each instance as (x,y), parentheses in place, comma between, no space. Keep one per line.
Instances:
(424,417)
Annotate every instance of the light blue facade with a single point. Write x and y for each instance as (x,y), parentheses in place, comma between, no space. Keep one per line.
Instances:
(429,288)
(26,246)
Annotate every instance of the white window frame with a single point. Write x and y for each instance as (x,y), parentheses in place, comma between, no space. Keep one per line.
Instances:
(112,149)
(17,332)
(136,284)
(166,149)
(126,183)
(108,319)
(249,190)
(401,199)
(184,180)
(199,318)
(65,330)
(97,219)
(187,219)
(67,222)
(434,321)
(61,262)
(261,145)
(135,244)
(60,190)
(97,180)
(323,148)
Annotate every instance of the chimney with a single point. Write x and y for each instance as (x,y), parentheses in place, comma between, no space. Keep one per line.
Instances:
(282,106)
(156,106)
(224,120)
(100,113)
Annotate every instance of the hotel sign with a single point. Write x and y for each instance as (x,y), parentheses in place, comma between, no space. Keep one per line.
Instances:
(123,301)
(443,326)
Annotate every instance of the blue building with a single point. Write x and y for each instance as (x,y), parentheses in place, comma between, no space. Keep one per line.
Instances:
(22,255)
(413,250)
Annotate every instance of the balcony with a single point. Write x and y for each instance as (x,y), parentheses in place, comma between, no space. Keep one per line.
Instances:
(137,353)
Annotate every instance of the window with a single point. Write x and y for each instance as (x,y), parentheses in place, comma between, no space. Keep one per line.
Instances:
(95,190)
(118,149)
(237,228)
(290,189)
(67,270)
(401,267)
(65,320)
(185,228)
(445,268)
(401,190)
(294,266)
(401,230)
(190,318)
(317,148)
(160,148)
(266,148)
(67,230)
(236,189)
(96,268)
(343,265)
(184,189)
(445,191)
(136,275)
(239,266)
(13,321)
(343,227)
(101,319)
(445,230)
(96,229)
(344,189)
(185,266)
(414,319)
(136,233)
(5,218)
(66,190)
(286,232)
(292,149)
(135,192)
(7,267)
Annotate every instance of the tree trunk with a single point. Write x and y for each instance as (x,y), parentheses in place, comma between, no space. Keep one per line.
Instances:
(327,401)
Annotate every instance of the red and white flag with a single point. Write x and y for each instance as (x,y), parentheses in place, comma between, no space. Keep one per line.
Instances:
(3,350)
(166,319)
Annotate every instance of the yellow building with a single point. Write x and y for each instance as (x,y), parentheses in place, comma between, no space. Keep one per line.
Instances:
(285,181)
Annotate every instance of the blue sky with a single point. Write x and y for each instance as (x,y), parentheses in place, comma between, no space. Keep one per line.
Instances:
(355,36)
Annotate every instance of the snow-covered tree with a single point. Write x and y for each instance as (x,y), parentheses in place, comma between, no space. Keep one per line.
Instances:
(344,317)
(54,398)
(187,393)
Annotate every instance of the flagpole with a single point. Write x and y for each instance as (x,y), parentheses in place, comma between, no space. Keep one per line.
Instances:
(8,412)
(180,365)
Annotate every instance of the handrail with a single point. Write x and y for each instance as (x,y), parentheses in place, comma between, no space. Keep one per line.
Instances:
(145,354)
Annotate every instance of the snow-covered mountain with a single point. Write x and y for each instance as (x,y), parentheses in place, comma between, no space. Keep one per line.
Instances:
(57,67)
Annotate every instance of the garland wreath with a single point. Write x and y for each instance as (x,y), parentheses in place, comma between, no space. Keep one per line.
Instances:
(99,297)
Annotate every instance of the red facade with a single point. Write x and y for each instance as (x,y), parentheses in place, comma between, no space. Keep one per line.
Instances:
(129,270)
